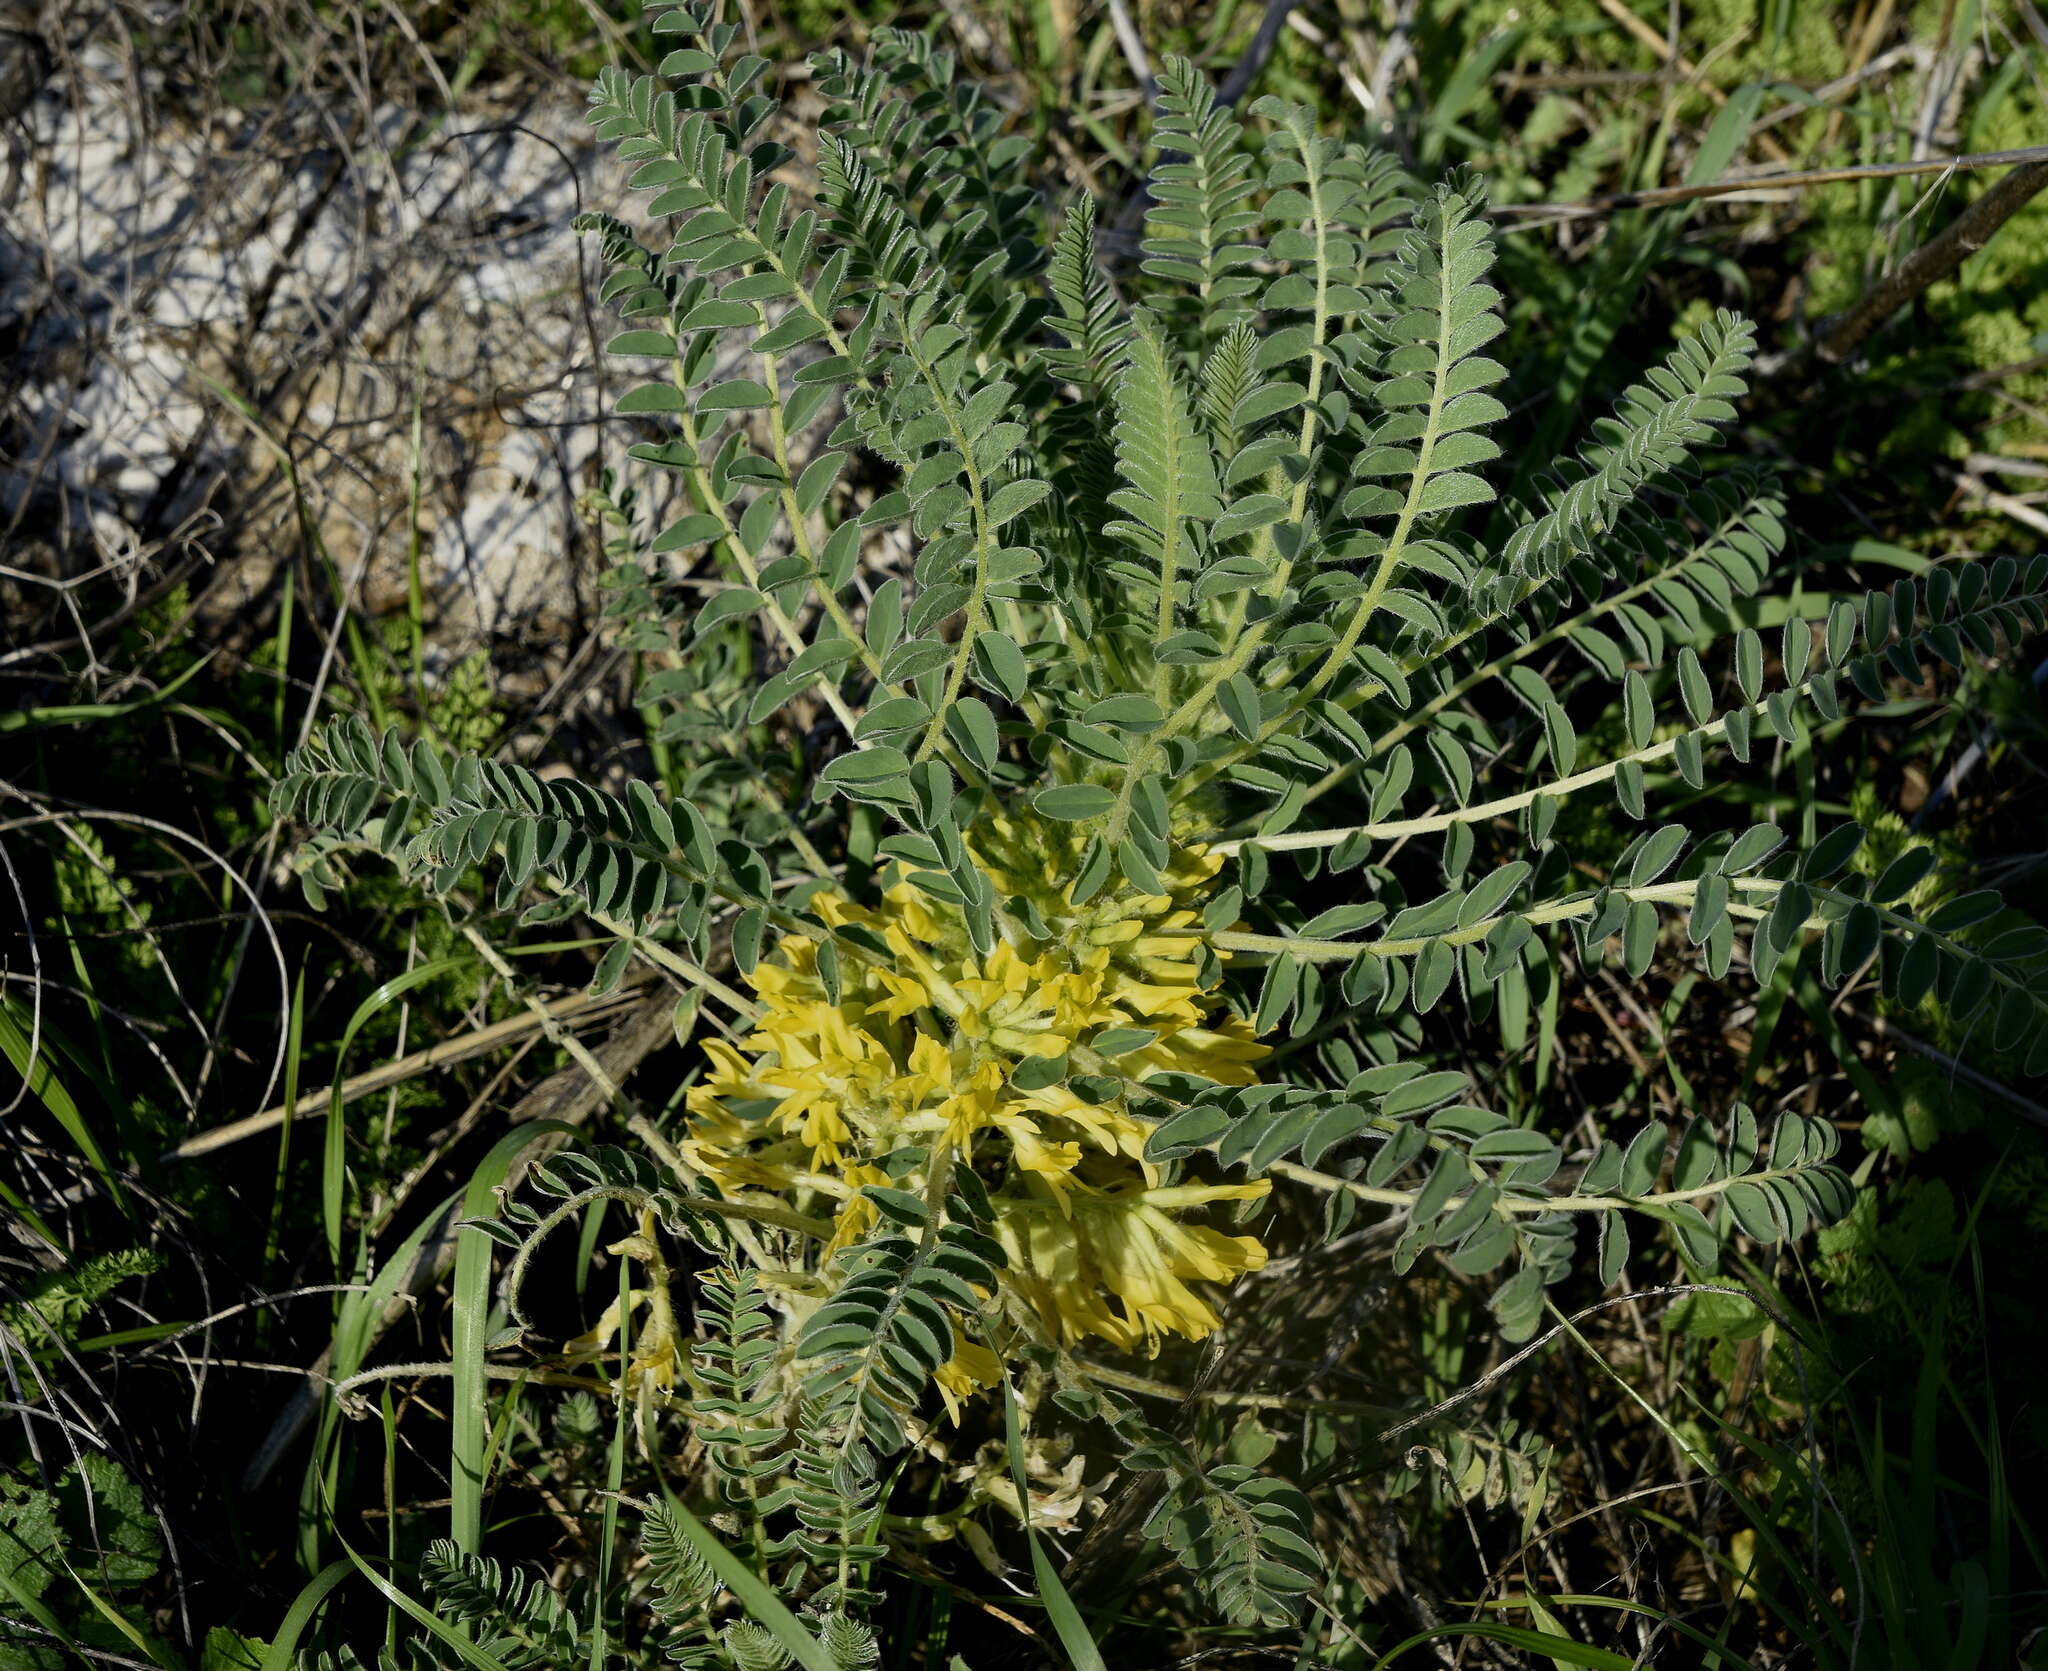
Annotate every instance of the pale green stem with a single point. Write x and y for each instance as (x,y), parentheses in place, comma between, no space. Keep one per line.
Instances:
(1565,910)
(1518,1207)
(976,615)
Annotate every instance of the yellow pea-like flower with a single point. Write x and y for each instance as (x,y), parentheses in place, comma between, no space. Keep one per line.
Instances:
(931,1049)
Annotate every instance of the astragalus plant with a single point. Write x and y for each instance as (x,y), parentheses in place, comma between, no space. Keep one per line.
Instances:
(1115,713)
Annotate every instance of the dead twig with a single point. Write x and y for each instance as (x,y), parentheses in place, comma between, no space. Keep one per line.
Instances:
(2024,1106)
(314,1104)
(1246,70)
(1133,45)
(570,1096)
(1936,259)
(1659,197)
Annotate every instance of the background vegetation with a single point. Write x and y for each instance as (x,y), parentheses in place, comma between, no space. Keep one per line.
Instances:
(1839,1469)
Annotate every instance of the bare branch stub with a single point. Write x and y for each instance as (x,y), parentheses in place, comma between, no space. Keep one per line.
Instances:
(1933,261)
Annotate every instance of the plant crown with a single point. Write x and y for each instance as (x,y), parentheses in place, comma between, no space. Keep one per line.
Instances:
(1013,630)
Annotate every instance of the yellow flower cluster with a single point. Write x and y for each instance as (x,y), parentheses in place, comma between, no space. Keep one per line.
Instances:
(923,1051)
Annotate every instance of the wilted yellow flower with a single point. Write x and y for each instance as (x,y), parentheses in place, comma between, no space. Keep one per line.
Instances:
(923,1052)
(1127,1242)
(658,1343)
(972,1369)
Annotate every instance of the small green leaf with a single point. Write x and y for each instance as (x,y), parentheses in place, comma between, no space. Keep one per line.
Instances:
(1638,711)
(1277,993)
(1013,499)
(695,529)
(646,344)
(1074,802)
(716,316)
(1693,686)
(651,397)
(1658,852)
(1453,488)
(1423,1091)
(917,656)
(1560,739)
(1491,892)
(898,1204)
(866,766)
(1639,937)
(1435,964)
(728,605)
(1709,907)
(1239,699)
(611,968)
(1902,875)
(742,394)
(973,729)
(1831,852)
(651,821)
(1128,713)
(1751,848)
(1188,648)
(1749,664)
(817,480)
(1513,1144)
(1265,403)
(1000,665)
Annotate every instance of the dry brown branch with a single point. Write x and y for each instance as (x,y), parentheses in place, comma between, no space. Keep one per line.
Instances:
(1663,196)
(2024,1106)
(1936,259)
(314,1104)
(571,1097)
(1246,70)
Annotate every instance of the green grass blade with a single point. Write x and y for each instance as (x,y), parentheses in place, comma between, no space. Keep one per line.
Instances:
(77,713)
(469,1424)
(762,1604)
(152,1651)
(278,1656)
(294,1053)
(18,1597)
(1723,1655)
(334,1170)
(615,1474)
(1459,93)
(1561,1650)
(1067,1622)
(49,1090)
(464,1648)
(355,1331)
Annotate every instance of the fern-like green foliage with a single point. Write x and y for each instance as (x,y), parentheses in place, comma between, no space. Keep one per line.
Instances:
(1250,1537)
(737,1413)
(1198,229)
(684,1587)
(831,1493)
(519,1621)
(51,1307)
(850,1643)
(753,1647)
(1655,429)
(971,522)
(890,1323)
(1164,456)
(1085,309)
(1079,459)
